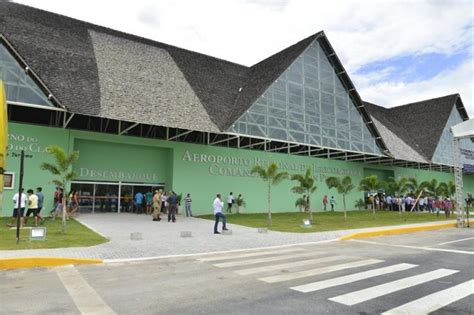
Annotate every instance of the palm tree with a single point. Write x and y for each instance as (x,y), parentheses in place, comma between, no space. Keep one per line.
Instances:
(306,185)
(417,189)
(62,169)
(433,188)
(272,177)
(371,184)
(301,203)
(398,187)
(343,187)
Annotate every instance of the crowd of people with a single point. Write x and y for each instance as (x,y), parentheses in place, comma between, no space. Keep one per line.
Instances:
(34,201)
(409,203)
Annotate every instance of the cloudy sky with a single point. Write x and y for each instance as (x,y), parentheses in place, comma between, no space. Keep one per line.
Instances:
(395,51)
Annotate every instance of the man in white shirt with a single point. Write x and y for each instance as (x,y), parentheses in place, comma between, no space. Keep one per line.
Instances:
(218,205)
(23,199)
(230,202)
(32,207)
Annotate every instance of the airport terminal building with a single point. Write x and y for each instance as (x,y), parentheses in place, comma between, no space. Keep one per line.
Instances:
(144,114)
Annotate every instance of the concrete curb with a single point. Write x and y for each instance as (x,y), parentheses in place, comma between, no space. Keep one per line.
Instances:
(37,262)
(397,231)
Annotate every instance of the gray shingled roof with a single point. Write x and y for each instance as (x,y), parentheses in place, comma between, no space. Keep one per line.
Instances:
(418,124)
(96,71)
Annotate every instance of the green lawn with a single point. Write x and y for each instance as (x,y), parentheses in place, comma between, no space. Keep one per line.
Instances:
(77,235)
(328,221)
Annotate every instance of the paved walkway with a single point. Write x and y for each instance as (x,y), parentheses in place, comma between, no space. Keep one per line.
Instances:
(163,238)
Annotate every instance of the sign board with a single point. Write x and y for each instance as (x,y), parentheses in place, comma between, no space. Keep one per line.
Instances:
(38,234)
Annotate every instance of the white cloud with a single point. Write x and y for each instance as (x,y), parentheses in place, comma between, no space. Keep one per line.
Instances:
(247,31)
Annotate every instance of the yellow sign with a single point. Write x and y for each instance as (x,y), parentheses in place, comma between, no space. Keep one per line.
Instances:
(3,136)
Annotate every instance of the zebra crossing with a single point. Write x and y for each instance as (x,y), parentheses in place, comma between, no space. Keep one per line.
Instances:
(301,265)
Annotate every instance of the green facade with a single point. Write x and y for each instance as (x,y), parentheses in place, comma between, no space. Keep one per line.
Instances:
(199,170)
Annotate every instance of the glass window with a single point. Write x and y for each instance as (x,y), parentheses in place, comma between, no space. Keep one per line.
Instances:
(309,104)
(18,85)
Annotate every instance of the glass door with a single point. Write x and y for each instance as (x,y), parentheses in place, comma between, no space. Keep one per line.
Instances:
(106,197)
(85,196)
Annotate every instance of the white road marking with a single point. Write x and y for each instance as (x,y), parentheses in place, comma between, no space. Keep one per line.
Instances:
(360,296)
(87,300)
(461,240)
(127,260)
(298,263)
(265,259)
(435,301)
(262,253)
(319,285)
(416,247)
(319,271)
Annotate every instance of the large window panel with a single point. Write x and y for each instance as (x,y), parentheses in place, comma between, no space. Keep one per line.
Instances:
(309,104)
(19,86)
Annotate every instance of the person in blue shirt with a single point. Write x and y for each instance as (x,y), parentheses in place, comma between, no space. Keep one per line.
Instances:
(173,202)
(39,193)
(139,202)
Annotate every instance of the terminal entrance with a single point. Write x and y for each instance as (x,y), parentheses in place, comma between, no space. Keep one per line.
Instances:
(110,196)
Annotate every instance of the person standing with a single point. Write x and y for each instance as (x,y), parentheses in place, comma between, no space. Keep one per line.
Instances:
(59,205)
(32,207)
(325,202)
(332,202)
(18,211)
(55,199)
(139,202)
(157,205)
(217,206)
(230,201)
(173,205)
(149,202)
(73,203)
(164,198)
(187,205)
(39,193)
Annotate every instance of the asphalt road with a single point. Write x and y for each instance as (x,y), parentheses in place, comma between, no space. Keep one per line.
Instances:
(405,274)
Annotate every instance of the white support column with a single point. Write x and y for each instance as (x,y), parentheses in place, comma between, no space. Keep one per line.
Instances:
(461,218)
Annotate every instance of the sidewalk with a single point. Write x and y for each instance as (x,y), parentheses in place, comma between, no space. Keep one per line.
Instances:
(163,238)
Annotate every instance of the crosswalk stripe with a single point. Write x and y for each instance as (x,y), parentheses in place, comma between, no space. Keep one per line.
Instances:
(298,263)
(262,260)
(318,271)
(319,285)
(87,300)
(435,301)
(260,253)
(360,296)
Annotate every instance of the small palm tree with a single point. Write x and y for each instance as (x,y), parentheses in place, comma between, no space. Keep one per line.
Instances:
(272,177)
(359,204)
(398,187)
(416,188)
(62,170)
(343,187)
(371,184)
(306,185)
(301,203)
(433,188)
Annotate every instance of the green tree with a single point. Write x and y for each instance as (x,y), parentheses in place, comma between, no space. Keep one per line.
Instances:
(433,188)
(306,185)
(343,187)
(359,204)
(301,203)
(371,184)
(397,187)
(416,188)
(272,177)
(62,170)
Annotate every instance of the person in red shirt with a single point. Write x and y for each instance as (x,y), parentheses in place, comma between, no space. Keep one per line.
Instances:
(325,202)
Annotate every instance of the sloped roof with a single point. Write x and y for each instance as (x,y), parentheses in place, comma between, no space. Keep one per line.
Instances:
(419,124)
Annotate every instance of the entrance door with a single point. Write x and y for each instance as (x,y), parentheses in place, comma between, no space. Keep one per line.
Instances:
(106,197)
(85,193)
